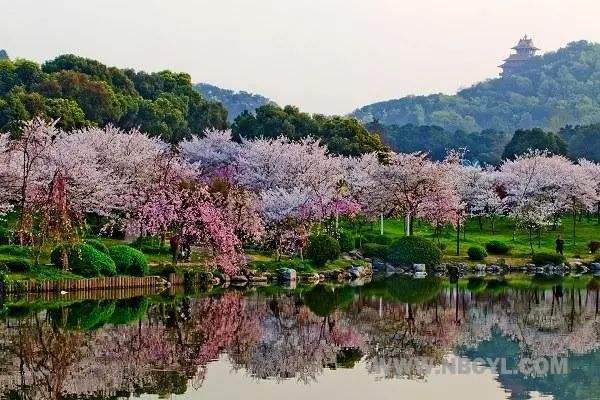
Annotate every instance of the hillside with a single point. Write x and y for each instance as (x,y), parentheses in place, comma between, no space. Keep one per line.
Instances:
(551,91)
(82,92)
(235,102)
(3,54)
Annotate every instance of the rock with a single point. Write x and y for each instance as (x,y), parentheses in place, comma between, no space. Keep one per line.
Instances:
(355,254)
(239,279)
(480,267)
(595,266)
(287,275)
(258,278)
(575,264)
(347,257)
(356,272)
(420,275)
(312,277)
(419,267)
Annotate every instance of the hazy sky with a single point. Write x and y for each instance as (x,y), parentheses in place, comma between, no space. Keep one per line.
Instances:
(327,56)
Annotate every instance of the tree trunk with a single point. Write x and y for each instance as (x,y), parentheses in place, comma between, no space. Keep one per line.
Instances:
(381,224)
(574,221)
(407,229)
(458,237)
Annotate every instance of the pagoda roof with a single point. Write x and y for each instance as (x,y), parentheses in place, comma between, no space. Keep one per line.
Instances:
(518,57)
(525,43)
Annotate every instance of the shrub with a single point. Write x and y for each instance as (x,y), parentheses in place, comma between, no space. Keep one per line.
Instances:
(84,260)
(593,245)
(98,245)
(5,235)
(129,261)
(346,241)
(541,259)
(375,250)
(15,250)
(497,247)
(477,253)
(150,245)
(17,265)
(322,248)
(411,250)
(377,238)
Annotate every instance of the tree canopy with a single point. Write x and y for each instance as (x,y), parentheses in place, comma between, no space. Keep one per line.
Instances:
(484,147)
(84,92)
(234,102)
(342,135)
(3,54)
(534,139)
(583,141)
(550,91)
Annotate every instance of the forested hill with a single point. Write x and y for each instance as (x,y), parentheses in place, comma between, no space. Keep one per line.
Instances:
(235,102)
(82,92)
(3,54)
(551,91)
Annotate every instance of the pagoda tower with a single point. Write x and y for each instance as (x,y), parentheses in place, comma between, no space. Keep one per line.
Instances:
(524,51)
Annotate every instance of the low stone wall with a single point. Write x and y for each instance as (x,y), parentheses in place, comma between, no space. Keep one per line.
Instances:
(89,284)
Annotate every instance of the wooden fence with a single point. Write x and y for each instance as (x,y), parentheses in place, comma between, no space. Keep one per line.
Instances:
(84,285)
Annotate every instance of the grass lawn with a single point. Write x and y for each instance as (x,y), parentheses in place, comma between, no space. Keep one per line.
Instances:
(585,230)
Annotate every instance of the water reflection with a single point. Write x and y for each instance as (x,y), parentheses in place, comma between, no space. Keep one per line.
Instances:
(165,344)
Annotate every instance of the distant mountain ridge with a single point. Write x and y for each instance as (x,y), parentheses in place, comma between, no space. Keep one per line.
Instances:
(3,54)
(550,91)
(236,102)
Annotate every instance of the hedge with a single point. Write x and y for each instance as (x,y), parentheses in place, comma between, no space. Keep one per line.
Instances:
(497,247)
(322,248)
(98,245)
(129,261)
(541,259)
(476,253)
(375,250)
(84,260)
(411,250)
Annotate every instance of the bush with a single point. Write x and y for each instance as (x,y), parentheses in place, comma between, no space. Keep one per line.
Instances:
(377,238)
(129,261)
(497,247)
(5,235)
(17,265)
(346,241)
(15,250)
(593,245)
(150,245)
(98,245)
(411,250)
(477,253)
(541,259)
(322,248)
(84,260)
(375,250)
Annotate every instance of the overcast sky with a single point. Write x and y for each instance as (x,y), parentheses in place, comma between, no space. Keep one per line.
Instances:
(327,56)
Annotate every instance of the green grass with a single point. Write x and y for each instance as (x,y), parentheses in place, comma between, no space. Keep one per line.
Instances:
(520,253)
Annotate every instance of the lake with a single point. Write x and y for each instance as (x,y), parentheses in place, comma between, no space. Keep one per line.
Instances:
(498,337)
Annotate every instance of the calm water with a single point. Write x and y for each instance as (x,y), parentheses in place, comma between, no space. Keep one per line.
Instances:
(398,338)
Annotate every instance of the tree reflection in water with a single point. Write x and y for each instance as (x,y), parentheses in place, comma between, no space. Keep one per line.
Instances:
(164,345)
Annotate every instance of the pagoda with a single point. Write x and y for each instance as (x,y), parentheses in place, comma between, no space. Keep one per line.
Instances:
(524,51)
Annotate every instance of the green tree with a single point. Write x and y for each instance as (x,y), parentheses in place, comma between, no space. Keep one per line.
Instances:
(534,139)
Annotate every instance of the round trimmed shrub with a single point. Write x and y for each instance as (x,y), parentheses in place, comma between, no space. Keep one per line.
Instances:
(98,245)
(375,250)
(346,241)
(541,259)
(322,248)
(17,265)
(129,261)
(85,260)
(410,250)
(477,253)
(497,247)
